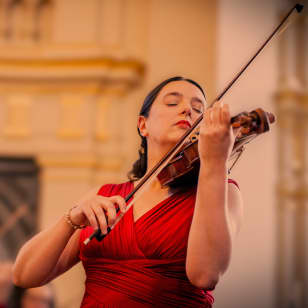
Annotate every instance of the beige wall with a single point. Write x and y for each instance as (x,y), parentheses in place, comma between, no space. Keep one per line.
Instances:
(243,26)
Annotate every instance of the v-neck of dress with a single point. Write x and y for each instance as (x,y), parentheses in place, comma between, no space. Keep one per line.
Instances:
(150,210)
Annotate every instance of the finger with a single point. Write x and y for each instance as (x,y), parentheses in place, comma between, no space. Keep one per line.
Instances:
(215,114)
(88,212)
(110,211)
(120,201)
(208,117)
(101,218)
(219,104)
(104,200)
(226,114)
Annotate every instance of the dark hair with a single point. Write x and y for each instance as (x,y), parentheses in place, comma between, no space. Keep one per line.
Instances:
(140,166)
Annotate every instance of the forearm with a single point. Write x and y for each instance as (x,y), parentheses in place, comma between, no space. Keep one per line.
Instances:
(209,243)
(39,256)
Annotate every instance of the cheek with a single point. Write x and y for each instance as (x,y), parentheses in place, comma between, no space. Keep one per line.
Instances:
(158,120)
(157,127)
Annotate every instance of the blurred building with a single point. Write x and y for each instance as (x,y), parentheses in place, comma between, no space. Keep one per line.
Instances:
(73,75)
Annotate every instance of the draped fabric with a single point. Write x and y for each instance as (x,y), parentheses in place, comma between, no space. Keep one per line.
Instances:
(142,263)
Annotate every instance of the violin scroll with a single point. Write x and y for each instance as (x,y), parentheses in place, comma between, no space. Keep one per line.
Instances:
(257,121)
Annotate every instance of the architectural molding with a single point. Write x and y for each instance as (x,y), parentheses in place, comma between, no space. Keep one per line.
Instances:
(73,160)
(105,69)
(18,116)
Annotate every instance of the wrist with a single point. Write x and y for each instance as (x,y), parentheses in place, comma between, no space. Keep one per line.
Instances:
(69,220)
(214,164)
(214,158)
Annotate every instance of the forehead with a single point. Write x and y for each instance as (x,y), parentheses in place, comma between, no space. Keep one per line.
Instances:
(183,87)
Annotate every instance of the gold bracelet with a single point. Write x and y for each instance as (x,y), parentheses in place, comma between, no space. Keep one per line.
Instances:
(69,220)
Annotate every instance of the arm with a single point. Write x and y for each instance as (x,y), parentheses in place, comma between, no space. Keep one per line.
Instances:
(216,221)
(218,208)
(46,255)
(55,250)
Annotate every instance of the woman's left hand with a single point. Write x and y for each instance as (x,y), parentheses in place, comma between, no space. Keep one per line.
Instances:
(216,137)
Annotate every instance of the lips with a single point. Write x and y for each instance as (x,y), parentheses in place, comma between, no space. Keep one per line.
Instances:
(183,123)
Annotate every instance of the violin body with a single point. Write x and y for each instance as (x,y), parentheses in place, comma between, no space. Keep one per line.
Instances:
(183,169)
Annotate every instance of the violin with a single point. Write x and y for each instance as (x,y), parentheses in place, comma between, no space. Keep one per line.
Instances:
(181,163)
(184,167)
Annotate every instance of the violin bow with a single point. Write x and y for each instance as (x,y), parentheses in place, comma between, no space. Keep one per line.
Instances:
(146,180)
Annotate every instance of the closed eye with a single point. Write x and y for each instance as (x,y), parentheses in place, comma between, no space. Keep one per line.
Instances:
(197,110)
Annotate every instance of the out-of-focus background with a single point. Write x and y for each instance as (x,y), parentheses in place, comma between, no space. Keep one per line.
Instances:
(73,75)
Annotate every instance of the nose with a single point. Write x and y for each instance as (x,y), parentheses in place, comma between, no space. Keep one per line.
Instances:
(186,108)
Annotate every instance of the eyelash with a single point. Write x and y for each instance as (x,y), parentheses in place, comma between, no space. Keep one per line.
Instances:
(195,109)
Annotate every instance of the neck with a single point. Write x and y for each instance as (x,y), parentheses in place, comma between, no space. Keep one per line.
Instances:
(155,186)
(154,155)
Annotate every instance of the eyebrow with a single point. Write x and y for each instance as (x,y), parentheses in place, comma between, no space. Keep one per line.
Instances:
(196,99)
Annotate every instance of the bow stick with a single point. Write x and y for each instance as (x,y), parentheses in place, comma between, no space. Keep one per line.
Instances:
(146,180)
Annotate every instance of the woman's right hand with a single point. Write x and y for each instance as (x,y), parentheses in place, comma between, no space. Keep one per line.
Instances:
(97,211)
(56,249)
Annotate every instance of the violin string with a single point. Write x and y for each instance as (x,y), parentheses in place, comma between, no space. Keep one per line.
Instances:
(240,152)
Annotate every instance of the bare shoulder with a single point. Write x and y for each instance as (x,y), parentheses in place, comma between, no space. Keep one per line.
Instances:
(235,207)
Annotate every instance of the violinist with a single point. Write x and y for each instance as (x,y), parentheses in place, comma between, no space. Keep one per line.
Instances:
(173,245)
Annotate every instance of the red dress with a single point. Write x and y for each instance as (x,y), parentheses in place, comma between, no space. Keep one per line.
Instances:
(142,264)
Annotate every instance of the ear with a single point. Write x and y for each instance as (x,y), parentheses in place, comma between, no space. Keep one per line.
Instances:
(142,126)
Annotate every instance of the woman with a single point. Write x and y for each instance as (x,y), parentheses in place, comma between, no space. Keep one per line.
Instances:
(172,246)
